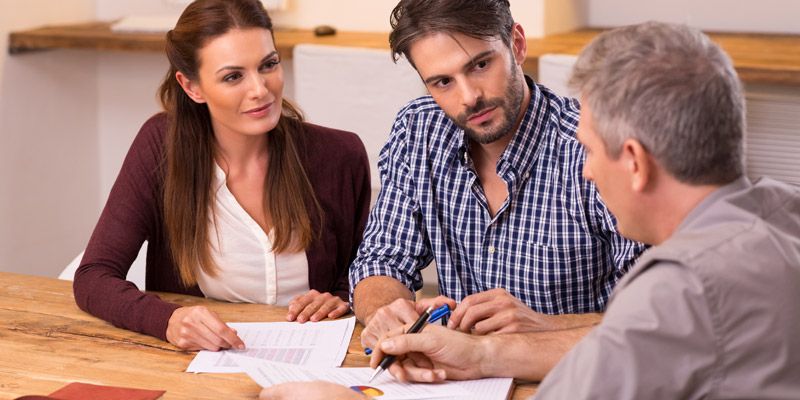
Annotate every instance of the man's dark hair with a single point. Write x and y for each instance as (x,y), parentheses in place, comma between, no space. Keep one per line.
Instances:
(480,19)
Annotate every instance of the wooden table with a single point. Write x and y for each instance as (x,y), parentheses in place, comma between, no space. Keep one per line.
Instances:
(47,342)
(758,58)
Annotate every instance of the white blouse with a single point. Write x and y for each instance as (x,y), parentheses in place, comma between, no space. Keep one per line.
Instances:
(248,270)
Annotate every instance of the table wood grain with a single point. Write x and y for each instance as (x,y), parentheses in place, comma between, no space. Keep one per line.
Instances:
(758,58)
(47,342)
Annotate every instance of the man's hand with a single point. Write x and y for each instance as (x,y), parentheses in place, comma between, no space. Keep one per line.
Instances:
(497,311)
(310,391)
(396,314)
(433,355)
(434,302)
(198,328)
(315,306)
(374,293)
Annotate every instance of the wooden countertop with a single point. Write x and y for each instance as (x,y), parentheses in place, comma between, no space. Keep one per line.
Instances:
(47,342)
(759,58)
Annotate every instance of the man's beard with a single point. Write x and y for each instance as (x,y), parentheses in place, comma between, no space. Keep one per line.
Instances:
(510,105)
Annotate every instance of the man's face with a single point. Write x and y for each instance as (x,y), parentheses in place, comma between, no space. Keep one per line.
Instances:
(609,175)
(477,83)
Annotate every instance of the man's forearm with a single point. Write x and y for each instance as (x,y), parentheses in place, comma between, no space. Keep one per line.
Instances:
(375,292)
(529,355)
(571,321)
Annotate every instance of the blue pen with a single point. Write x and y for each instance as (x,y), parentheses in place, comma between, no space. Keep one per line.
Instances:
(439,313)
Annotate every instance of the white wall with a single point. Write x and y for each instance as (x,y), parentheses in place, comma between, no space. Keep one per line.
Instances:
(777,16)
(373,15)
(47,142)
(113,9)
(126,90)
(563,16)
(349,15)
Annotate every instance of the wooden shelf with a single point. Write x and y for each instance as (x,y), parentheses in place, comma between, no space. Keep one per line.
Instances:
(759,58)
(99,36)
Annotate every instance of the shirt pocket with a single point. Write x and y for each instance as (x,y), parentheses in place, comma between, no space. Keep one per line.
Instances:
(563,279)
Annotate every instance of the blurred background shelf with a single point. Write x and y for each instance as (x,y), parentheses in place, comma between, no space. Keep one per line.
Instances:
(759,58)
(100,36)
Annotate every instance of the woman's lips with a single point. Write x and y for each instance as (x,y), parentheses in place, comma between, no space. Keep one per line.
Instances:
(259,112)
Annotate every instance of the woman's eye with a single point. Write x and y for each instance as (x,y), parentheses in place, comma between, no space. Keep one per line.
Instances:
(270,64)
(231,77)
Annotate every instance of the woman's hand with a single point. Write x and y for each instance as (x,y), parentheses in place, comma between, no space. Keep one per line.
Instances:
(315,306)
(198,328)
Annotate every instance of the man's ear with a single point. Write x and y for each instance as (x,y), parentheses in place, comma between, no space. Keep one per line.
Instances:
(190,87)
(519,45)
(638,164)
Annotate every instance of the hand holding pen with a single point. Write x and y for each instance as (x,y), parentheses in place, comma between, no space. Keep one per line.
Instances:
(426,317)
(436,354)
(441,313)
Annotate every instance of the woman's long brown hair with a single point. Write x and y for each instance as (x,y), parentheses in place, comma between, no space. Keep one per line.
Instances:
(190,143)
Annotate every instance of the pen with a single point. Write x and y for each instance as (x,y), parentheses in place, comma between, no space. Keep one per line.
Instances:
(440,313)
(388,360)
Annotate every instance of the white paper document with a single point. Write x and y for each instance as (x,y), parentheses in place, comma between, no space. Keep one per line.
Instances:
(485,389)
(312,343)
(384,387)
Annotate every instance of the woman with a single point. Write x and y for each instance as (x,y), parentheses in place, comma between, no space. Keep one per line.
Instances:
(238,199)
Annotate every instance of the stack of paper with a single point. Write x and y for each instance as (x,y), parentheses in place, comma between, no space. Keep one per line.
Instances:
(313,343)
(281,352)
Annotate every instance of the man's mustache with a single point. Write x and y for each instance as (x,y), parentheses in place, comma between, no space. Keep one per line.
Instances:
(480,105)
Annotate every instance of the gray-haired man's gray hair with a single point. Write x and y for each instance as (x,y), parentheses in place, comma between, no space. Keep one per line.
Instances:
(672,89)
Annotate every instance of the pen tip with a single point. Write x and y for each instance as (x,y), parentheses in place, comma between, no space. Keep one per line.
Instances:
(374,374)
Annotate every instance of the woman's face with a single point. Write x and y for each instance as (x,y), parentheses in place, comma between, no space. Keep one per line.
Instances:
(240,78)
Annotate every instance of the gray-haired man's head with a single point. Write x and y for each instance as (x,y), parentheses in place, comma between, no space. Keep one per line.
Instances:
(673,90)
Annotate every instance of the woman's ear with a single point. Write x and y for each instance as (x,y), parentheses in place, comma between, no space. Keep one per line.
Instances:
(190,87)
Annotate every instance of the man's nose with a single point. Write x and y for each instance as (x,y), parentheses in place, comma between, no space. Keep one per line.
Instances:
(469,93)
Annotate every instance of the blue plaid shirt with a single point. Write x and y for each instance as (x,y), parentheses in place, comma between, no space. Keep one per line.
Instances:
(553,244)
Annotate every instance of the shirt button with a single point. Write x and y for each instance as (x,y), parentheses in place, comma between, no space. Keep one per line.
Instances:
(491,249)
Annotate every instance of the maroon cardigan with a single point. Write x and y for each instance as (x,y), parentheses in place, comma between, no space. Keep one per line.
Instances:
(337,166)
